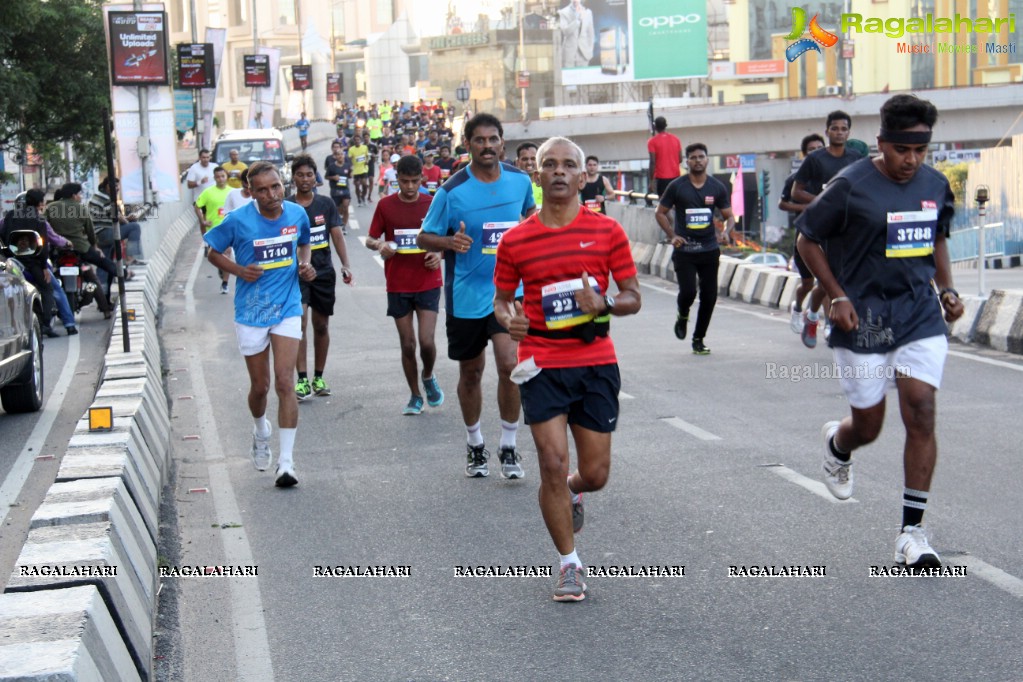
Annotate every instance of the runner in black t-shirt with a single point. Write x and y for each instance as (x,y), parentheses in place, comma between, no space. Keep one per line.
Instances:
(694,196)
(597,188)
(318,294)
(810,143)
(815,172)
(885,222)
(338,172)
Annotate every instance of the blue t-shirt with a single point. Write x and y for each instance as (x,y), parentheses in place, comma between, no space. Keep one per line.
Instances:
(488,209)
(273,244)
(303,127)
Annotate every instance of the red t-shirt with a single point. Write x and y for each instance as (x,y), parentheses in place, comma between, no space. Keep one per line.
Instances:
(666,149)
(431,174)
(400,222)
(555,258)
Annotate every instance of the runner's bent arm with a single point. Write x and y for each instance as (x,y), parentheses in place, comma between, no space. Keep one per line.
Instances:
(800,194)
(661,216)
(943,279)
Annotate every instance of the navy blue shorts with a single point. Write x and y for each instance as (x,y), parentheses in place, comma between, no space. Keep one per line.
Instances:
(588,395)
(467,338)
(402,304)
(319,294)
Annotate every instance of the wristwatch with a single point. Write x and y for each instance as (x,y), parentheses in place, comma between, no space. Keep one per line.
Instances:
(609,304)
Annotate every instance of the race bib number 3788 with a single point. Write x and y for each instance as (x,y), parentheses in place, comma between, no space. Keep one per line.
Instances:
(911,233)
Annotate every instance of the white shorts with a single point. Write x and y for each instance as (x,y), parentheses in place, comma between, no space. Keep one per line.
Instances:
(254,340)
(866,378)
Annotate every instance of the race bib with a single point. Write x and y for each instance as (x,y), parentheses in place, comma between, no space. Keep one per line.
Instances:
(221,212)
(444,173)
(405,239)
(275,252)
(393,185)
(318,237)
(360,159)
(432,187)
(592,204)
(492,233)
(560,309)
(911,233)
(698,218)
(342,181)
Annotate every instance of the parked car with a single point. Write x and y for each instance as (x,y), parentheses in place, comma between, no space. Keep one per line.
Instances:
(255,144)
(775,260)
(21,338)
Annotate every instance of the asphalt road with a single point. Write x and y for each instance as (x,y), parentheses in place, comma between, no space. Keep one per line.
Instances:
(715,464)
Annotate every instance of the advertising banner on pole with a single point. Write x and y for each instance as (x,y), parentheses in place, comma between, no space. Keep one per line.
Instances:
(215,37)
(257,70)
(195,65)
(333,86)
(302,77)
(138,48)
(616,41)
(261,108)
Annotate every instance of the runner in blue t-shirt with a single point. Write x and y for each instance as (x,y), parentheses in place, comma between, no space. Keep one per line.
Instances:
(303,130)
(885,223)
(468,215)
(270,239)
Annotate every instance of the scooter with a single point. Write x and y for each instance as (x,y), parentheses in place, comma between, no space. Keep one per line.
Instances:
(80,291)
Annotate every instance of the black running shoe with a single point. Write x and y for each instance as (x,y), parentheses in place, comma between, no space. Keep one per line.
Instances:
(680,327)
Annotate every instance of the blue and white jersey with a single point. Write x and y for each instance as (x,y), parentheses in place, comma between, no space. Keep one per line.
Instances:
(488,210)
(273,244)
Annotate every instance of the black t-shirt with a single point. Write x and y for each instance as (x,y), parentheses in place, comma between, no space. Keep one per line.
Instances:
(694,211)
(323,218)
(343,171)
(880,238)
(820,166)
(588,194)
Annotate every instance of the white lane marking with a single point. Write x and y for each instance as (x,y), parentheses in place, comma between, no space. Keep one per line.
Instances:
(376,255)
(251,643)
(622,395)
(986,361)
(815,487)
(22,468)
(994,575)
(691,429)
(784,318)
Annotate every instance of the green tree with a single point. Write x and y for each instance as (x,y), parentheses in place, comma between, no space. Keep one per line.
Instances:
(53,79)
(956,174)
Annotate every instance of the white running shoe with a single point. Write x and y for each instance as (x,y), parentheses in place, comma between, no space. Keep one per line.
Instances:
(837,474)
(261,454)
(795,319)
(913,550)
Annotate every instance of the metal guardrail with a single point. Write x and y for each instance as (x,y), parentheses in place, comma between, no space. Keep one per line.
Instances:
(634,197)
(964,244)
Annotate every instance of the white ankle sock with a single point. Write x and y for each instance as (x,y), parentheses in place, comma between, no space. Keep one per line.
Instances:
(474,435)
(508,432)
(575,496)
(287,446)
(572,558)
(262,426)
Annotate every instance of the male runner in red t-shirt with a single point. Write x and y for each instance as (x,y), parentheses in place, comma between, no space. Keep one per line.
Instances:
(665,156)
(568,371)
(413,277)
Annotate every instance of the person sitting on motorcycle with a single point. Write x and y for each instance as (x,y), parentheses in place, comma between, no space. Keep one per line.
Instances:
(101,206)
(70,218)
(25,216)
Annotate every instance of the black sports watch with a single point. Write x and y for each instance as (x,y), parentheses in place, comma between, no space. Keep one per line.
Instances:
(609,304)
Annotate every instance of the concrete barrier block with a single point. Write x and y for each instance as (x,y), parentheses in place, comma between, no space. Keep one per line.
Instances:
(742,275)
(1000,325)
(726,271)
(661,261)
(642,254)
(100,554)
(95,500)
(788,294)
(769,291)
(964,329)
(139,473)
(129,438)
(755,282)
(61,635)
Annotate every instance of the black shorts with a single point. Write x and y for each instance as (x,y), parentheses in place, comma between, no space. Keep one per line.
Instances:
(358,176)
(319,294)
(402,304)
(804,272)
(588,395)
(468,338)
(338,196)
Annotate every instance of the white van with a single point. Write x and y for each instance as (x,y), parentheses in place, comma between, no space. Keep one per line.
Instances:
(255,144)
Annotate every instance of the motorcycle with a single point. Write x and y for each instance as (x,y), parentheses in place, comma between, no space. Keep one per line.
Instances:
(80,291)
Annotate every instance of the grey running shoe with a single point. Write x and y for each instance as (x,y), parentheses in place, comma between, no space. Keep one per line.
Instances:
(261,454)
(570,584)
(476,461)
(510,463)
(434,396)
(577,514)
(913,550)
(415,406)
(286,476)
